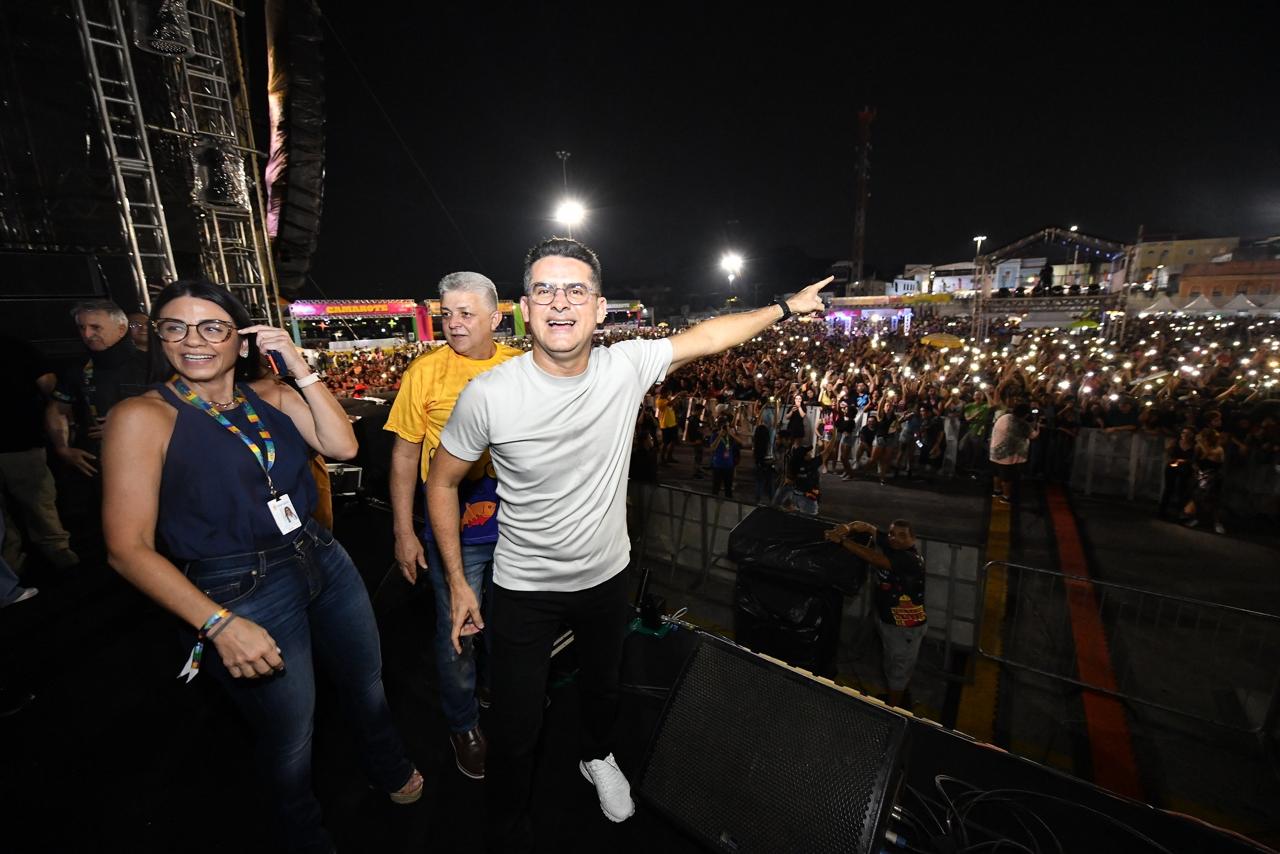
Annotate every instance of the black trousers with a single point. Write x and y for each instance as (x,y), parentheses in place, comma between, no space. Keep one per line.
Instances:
(722,479)
(522,627)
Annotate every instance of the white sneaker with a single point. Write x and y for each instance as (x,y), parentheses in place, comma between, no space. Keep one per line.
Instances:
(27,593)
(1218,529)
(612,787)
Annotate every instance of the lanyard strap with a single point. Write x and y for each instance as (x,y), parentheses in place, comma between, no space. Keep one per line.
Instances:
(185,392)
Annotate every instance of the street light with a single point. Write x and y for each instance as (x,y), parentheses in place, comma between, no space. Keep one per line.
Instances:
(570,213)
(731,263)
(1075,228)
(977,252)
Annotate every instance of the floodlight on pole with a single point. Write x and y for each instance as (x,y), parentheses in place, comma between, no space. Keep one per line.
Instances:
(731,263)
(570,213)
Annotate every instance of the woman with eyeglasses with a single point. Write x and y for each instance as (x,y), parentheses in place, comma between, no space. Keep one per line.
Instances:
(214,460)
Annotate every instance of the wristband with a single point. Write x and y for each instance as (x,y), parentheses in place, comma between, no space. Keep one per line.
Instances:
(786,309)
(218,616)
(218,629)
(192,667)
(310,379)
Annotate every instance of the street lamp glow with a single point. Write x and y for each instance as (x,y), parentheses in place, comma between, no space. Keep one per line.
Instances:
(570,213)
(731,263)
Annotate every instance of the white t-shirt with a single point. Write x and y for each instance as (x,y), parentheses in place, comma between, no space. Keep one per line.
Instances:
(561,447)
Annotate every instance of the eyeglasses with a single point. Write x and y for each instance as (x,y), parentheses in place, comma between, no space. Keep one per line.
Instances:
(542,293)
(171,330)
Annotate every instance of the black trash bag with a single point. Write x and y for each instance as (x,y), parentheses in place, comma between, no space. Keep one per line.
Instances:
(792,548)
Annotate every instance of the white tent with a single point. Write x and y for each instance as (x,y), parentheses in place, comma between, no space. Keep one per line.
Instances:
(1200,305)
(1240,303)
(1271,306)
(1162,305)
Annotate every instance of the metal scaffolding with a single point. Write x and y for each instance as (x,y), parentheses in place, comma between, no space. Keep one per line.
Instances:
(209,108)
(119,108)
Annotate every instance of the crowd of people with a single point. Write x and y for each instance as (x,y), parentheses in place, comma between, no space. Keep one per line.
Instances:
(932,402)
(863,399)
(364,372)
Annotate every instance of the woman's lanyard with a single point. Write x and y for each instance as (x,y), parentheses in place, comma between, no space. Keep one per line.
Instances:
(280,507)
(267,462)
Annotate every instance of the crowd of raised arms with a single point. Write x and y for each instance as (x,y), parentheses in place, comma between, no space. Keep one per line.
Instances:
(1165,374)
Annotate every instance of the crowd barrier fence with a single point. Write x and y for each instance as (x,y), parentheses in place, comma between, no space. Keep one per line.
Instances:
(1132,464)
(683,529)
(1202,660)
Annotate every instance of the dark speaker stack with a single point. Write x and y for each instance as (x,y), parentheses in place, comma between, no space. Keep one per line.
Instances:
(751,756)
(788,600)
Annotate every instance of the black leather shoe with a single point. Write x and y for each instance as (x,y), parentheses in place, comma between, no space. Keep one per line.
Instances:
(469,748)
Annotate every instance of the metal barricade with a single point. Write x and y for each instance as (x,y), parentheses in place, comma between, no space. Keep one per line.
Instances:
(1132,464)
(1126,463)
(1213,663)
(686,530)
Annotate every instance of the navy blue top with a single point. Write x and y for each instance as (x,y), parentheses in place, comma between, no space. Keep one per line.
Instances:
(213,493)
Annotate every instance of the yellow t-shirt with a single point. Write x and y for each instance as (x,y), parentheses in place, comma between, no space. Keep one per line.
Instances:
(428,391)
(666,413)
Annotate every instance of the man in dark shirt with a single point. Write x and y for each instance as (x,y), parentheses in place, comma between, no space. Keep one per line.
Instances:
(866,438)
(725,450)
(763,458)
(115,369)
(898,597)
(802,469)
(1122,416)
(934,442)
(138,328)
(26,486)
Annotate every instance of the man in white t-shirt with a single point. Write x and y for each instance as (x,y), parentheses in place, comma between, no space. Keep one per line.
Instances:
(558,423)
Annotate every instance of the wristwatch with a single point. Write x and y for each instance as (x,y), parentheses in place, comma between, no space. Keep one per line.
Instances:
(786,309)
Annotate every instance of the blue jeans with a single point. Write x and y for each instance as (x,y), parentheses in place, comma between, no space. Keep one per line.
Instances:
(804,504)
(308,595)
(458,672)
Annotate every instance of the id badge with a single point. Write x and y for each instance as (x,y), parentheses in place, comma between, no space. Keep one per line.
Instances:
(286,517)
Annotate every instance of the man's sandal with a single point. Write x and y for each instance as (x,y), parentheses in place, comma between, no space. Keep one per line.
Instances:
(410,791)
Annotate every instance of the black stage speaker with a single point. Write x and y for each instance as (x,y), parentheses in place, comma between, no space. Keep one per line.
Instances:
(752,756)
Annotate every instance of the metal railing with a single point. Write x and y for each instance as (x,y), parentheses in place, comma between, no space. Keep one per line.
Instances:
(1132,464)
(686,530)
(1209,662)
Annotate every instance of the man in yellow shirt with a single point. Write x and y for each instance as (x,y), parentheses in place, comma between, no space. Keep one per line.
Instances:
(428,391)
(669,424)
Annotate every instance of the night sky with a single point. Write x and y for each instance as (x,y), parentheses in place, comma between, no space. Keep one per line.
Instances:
(696,131)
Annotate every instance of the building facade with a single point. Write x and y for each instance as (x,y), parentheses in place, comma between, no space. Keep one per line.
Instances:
(1158,260)
(1229,278)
